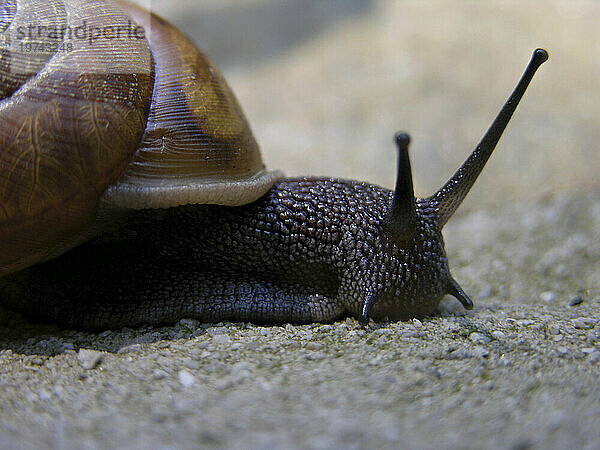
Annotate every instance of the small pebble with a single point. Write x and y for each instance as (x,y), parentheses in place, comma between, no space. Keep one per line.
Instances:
(314,346)
(438,373)
(499,335)
(159,374)
(221,339)
(417,323)
(213,331)
(240,367)
(130,348)
(68,345)
(479,338)
(594,357)
(190,324)
(159,416)
(548,296)
(198,332)
(553,328)
(88,359)
(583,323)
(577,300)
(459,354)
(316,356)
(375,361)
(481,352)
(521,443)
(185,378)
(224,383)
(44,395)
(191,364)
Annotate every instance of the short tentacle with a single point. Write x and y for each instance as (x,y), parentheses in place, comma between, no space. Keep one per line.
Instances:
(368,305)
(456,291)
(401,220)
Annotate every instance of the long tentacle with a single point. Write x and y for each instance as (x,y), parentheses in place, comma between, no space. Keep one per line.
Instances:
(451,194)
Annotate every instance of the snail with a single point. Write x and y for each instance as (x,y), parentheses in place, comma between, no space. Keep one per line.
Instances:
(132,191)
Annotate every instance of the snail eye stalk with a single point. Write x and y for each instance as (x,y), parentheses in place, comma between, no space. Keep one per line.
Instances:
(401,220)
(450,196)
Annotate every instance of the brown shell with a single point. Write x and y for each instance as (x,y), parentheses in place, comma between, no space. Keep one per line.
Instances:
(116,121)
(197,147)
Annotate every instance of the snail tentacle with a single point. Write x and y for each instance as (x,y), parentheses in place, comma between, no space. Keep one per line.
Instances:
(401,219)
(449,197)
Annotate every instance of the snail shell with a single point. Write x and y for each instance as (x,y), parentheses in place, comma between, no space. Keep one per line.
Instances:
(140,121)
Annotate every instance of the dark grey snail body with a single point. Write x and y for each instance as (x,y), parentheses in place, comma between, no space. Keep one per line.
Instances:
(308,250)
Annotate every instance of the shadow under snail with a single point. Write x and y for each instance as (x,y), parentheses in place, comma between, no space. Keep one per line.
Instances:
(132,191)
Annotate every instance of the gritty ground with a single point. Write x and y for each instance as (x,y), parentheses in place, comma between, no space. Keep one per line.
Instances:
(518,371)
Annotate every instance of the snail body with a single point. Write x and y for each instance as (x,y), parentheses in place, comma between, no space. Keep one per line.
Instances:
(183,220)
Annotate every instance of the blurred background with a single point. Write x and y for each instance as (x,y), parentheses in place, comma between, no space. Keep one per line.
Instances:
(325,84)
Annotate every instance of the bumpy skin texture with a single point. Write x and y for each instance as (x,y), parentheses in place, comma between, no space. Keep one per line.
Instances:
(309,250)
